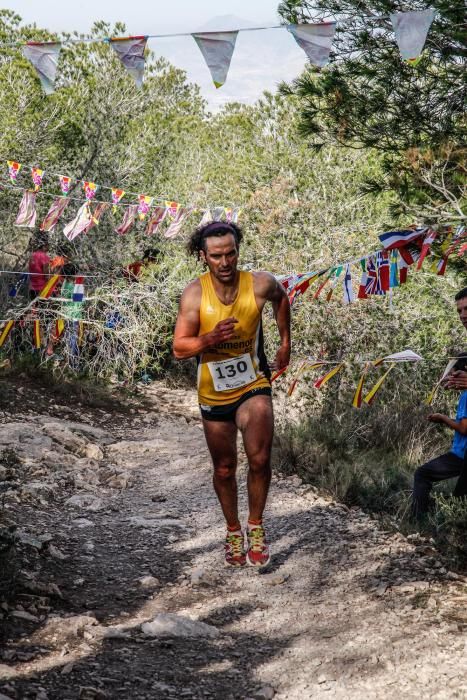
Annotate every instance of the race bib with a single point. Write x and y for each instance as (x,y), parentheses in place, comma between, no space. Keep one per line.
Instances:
(232,373)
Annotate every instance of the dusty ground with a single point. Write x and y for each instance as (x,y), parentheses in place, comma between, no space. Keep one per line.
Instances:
(345,611)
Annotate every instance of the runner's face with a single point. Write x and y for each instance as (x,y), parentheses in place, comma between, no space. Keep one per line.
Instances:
(221,257)
(462,311)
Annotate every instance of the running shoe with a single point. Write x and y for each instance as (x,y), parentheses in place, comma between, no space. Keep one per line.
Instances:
(259,553)
(234,549)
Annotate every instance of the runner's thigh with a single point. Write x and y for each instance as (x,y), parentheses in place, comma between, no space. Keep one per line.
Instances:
(221,437)
(255,419)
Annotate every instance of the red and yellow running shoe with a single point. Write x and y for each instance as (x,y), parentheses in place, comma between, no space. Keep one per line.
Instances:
(258,553)
(235,549)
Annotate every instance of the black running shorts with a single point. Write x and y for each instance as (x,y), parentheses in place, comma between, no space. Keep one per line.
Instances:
(226,413)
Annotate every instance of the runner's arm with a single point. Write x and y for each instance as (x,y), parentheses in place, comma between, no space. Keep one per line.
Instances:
(187,341)
(271,290)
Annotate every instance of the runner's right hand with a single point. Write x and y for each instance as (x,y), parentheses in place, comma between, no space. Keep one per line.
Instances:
(224,330)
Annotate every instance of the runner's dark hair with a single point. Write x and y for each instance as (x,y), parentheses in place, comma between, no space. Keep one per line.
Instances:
(216,228)
(461,295)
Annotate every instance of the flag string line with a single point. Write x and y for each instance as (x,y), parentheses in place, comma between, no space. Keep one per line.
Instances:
(158,200)
(158,197)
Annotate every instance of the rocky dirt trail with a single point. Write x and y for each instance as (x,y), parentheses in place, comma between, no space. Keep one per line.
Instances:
(122,592)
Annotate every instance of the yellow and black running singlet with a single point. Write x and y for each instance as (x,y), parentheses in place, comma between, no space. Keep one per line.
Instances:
(232,368)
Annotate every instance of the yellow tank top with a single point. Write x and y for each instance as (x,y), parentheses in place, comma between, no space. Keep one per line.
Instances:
(229,370)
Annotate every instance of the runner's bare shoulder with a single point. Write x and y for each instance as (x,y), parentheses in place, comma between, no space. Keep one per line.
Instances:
(264,284)
(191,296)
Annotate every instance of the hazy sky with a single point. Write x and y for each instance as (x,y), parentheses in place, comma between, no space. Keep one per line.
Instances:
(261,59)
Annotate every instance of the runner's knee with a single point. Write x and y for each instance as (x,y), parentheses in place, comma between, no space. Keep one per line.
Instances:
(224,470)
(260,462)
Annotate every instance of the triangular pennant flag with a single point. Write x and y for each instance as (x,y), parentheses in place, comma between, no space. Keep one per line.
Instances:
(145,202)
(13,170)
(79,224)
(49,287)
(174,228)
(337,274)
(403,356)
(96,215)
(329,375)
(37,174)
(59,328)
(207,218)
(394,274)
(65,184)
(172,209)
(411,29)
(157,216)
(44,58)
(349,296)
(217,49)
(358,396)
(27,210)
(117,196)
(217,213)
(128,219)
(37,334)
(426,246)
(56,210)
(130,51)
(315,40)
(305,366)
(371,394)
(90,189)
(5,332)
(363,282)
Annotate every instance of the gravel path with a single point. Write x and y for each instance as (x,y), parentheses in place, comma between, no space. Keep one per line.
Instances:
(345,611)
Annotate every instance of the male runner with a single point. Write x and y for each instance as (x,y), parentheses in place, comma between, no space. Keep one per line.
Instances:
(219,322)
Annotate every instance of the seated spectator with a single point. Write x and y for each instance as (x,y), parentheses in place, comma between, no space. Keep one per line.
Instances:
(133,271)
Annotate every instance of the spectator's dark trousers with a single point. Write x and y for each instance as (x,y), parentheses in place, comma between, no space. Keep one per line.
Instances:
(445,466)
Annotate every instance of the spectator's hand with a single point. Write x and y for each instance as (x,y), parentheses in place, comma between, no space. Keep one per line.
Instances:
(456,380)
(436,418)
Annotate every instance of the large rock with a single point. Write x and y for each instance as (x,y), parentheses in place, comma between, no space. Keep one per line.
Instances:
(172,625)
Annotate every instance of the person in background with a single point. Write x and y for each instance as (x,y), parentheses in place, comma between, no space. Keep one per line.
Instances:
(39,267)
(133,271)
(70,312)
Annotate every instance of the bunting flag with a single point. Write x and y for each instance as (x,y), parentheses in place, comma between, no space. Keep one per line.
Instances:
(217,49)
(96,215)
(322,381)
(37,334)
(279,373)
(302,285)
(363,282)
(172,209)
(59,328)
(13,170)
(65,184)
(27,210)
(411,29)
(335,282)
(130,50)
(232,215)
(441,266)
(178,221)
(44,58)
(206,218)
(410,253)
(315,40)
(90,189)
(394,273)
(5,332)
(306,366)
(382,261)
(14,289)
(157,216)
(55,212)
(80,223)
(117,196)
(358,396)
(323,284)
(349,296)
(80,333)
(145,202)
(218,213)
(49,287)
(399,239)
(369,398)
(450,366)
(129,219)
(426,246)
(37,174)
(403,270)
(78,289)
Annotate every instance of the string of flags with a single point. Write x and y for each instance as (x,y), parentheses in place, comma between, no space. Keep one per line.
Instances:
(333,368)
(217,48)
(90,213)
(383,270)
